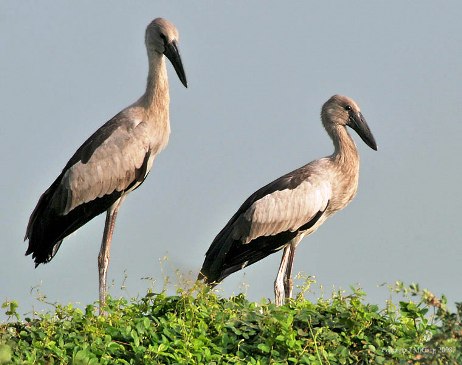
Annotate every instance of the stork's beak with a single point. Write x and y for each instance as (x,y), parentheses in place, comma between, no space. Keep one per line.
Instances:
(358,123)
(172,53)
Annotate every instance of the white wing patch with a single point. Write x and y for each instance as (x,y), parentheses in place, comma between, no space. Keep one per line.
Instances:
(112,167)
(287,209)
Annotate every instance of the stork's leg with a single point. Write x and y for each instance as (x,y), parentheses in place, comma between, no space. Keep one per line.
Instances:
(288,282)
(283,284)
(279,287)
(104,253)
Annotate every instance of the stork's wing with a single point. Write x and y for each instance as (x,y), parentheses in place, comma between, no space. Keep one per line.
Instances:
(268,220)
(114,159)
(286,209)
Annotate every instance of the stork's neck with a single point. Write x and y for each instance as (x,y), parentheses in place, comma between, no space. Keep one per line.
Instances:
(345,153)
(156,98)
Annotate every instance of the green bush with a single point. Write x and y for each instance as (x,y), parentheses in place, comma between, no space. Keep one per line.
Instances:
(198,327)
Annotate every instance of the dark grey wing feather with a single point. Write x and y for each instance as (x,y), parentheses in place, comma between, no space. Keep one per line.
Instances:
(112,158)
(242,255)
(269,219)
(115,159)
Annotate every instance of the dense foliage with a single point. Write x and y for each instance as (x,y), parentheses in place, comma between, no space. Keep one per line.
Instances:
(198,327)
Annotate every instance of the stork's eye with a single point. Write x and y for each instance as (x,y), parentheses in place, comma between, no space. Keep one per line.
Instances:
(163,37)
(348,107)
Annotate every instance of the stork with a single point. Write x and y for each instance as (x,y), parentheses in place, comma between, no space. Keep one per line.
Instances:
(114,161)
(280,214)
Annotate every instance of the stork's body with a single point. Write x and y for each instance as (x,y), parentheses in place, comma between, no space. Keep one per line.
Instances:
(112,162)
(280,214)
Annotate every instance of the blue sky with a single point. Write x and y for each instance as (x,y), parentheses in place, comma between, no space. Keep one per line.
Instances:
(258,73)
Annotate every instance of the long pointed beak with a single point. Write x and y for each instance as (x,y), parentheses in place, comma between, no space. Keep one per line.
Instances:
(172,53)
(358,123)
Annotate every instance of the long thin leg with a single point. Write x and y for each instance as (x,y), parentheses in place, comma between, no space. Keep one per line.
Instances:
(288,282)
(279,287)
(104,253)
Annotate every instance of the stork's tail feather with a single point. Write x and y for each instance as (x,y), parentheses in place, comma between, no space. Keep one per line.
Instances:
(206,280)
(215,259)
(48,227)
(38,228)
(226,255)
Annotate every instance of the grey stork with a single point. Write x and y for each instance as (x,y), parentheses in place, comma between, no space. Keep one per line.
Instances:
(280,214)
(114,161)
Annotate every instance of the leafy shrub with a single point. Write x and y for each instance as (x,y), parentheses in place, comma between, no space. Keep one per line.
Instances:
(198,327)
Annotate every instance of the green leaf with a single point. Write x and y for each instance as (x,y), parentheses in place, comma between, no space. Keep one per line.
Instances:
(5,354)
(264,348)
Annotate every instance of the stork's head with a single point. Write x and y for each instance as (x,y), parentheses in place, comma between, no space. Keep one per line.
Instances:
(343,111)
(162,37)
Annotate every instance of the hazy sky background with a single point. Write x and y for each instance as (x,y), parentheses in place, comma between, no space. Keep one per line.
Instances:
(258,74)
